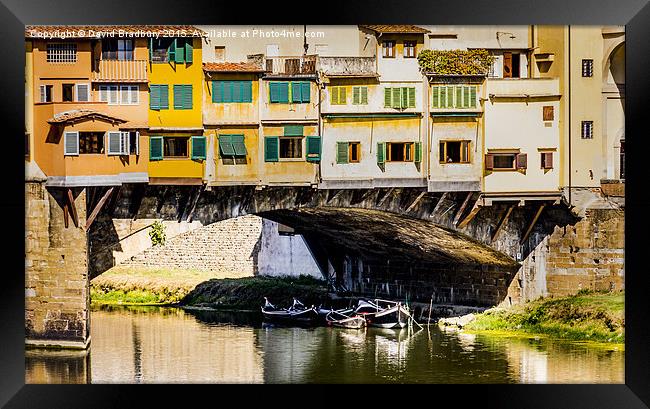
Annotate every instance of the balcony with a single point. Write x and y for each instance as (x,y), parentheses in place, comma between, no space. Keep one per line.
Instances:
(348,66)
(523,87)
(120,71)
(294,66)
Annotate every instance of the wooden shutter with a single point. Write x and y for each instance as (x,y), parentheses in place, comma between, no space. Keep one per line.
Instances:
(137,142)
(472,96)
(271,148)
(236,91)
(356,95)
(459,96)
(342,152)
(334,95)
(150,50)
(82,93)
(466,96)
(388,98)
(43,93)
(296,88)
(155,148)
(179,57)
(294,130)
(450,96)
(507,65)
(228,89)
(522,161)
(435,96)
(189,50)
(114,143)
(217,91)
(489,161)
(343,97)
(313,148)
(283,92)
(306,91)
(464,151)
(411,97)
(171,51)
(125,143)
(198,147)
(247,91)
(404,97)
(71,143)
(187,96)
(274,92)
(164,96)
(418,152)
(381,153)
(178,97)
(443,97)
(225,145)
(238,145)
(397,97)
(547,160)
(548,113)
(364,95)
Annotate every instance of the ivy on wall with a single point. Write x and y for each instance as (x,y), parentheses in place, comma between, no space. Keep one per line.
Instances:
(455,62)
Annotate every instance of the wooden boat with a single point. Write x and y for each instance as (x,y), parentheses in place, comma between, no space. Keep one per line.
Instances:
(337,319)
(297,314)
(383,314)
(323,312)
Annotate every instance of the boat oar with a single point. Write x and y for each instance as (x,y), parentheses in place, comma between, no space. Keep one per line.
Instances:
(411,317)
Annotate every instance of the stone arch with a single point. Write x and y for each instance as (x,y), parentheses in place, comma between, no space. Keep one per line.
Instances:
(615,52)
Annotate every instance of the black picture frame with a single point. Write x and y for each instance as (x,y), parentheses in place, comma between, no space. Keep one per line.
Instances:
(634,14)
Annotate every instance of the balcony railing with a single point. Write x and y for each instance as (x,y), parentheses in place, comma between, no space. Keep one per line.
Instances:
(296,65)
(120,71)
(342,66)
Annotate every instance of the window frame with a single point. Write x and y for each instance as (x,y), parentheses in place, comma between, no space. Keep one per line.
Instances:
(587,68)
(124,143)
(46,87)
(76,91)
(466,90)
(72,95)
(351,148)
(408,152)
(291,159)
(131,93)
(412,45)
(101,137)
(385,48)
(464,146)
(589,127)
(361,98)
(543,156)
(336,90)
(187,147)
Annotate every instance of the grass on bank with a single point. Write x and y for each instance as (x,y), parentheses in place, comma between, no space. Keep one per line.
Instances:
(585,316)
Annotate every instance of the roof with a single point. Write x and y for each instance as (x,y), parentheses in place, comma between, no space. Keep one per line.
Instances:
(352,75)
(395,28)
(63,32)
(78,115)
(231,67)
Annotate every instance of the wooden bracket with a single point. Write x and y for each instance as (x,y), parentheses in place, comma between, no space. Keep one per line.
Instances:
(460,211)
(198,195)
(73,209)
(383,199)
(417,199)
(332,194)
(503,221)
(439,203)
(65,214)
(470,216)
(98,207)
(532,223)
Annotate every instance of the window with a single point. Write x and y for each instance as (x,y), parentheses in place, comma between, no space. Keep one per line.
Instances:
(400,152)
(158,97)
(67,92)
(91,142)
(175,146)
(400,98)
(511,65)
(546,160)
(134,143)
(46,93)
(109,93)
(232,91)
(622,157)
(506,161)
(165,49)
(118,143)
(117,49)
(409,49)
(348,152)
(83,94)
(360,95)
(338,96)
(290,148)
(129,94)
(587,130)
(587,68)
(62,53)
(295,91)
(548,113)
(453,96)
(454,152)
(388,49)
(231,146)
(182,96)
(219,53)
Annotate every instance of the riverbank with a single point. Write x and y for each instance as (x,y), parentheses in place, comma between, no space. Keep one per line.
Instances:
(586,316)
(248,293)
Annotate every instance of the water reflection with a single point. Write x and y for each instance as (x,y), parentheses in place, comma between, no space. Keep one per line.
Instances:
(167,345)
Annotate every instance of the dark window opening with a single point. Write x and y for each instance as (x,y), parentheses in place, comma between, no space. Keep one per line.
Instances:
(504,161)
(511,65)
(67,94)
(388,49)
(622,172)
(548,113)
(165,49)
(355,151)
(133,143)
(587,130)
(400,152)
(587,68)
(547,160)
(409,49)
(175,147)
(454,152)
(91,142)
(291,148)
(46,93)
(117,49)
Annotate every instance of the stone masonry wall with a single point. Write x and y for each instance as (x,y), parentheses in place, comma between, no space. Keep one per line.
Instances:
(228,248)
(56,269)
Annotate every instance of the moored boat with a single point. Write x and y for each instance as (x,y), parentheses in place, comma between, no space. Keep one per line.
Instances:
(296,314)
(383,314)
(338,319)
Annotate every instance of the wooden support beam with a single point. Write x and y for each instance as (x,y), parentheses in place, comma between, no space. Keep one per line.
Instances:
(417,199)
(470,216)
(331,196)
(98,207)
(439,203)
(460,211)
(196,200)
(65,214)
(532,223)
(383,199)
(73,208)
(113,202)
(503,221)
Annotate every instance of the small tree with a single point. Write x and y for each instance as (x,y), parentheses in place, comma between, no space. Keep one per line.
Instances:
(455,62)
(157,233)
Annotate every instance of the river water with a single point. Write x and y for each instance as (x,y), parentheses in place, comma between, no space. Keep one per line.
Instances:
(172,345)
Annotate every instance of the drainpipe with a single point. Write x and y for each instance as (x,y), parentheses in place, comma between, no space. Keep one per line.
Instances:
(569,95)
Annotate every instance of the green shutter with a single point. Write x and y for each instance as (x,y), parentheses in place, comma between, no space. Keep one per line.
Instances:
(388,100)
(217,91)
(283,92)
(171,51)
(466,96)
(381,153)
(178,96)
(435,94)
(189,50)
(293,130)
(179,57)
(364,95)
(334,95)
(274,92)
(342,152)
(404,100)
(411,97)
(418,152)
(150,49)
(443,97)
(225,145)
(472,96)
(459,97)
(187,96)
(238,145)
(247,91)
(155,148)
(164,96)
(450,96)
(356,95)
(236,91)
(313,148)
(227,91)
(397,98)
(154,97)
(296,92)
(306,91)
(198,147)
(271,148)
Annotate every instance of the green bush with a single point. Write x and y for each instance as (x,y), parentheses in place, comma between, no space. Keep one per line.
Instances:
(455,62)
(157,233)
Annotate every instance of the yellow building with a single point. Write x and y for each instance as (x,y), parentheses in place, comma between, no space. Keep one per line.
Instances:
(177,146)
